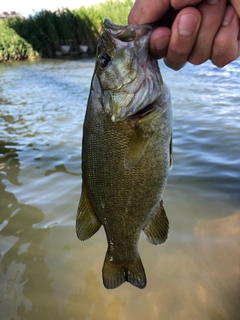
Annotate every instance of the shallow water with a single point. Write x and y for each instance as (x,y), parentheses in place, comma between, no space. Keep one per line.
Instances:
(46,272)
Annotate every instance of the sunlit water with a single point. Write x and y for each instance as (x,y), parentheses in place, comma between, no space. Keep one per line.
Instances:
(46,272)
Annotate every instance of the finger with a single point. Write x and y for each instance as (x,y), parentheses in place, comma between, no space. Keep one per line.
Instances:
(184,33)
(226,46)
(176,4)
(236,6)
(212,13)
(147,12)
(159,42)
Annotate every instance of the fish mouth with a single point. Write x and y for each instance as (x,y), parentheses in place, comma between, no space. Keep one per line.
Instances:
(128,32)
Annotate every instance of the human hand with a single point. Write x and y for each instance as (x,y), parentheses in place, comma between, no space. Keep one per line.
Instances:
(210,30)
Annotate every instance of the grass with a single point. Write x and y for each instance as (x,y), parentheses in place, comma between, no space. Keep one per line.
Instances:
(42,33)
(115,10)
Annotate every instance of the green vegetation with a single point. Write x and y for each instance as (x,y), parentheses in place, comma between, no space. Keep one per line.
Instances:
(12,46)
(115,10)
(44,32)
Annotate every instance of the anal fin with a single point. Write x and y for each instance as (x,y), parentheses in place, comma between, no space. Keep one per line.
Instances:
(87,223)
(157,228)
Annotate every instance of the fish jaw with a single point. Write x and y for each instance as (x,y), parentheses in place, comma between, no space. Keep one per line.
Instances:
(130,79)
(147,93)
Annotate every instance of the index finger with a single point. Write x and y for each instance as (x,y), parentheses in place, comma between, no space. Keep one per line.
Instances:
(148,11)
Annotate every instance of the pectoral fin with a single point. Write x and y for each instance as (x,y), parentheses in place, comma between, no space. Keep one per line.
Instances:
(136,148)
(157,229)
(86,224)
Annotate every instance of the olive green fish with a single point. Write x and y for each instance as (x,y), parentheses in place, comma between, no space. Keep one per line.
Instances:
(126,152)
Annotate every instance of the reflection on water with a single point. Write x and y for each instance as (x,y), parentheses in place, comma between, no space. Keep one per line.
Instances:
(92,302)
(22,255)
(45,272)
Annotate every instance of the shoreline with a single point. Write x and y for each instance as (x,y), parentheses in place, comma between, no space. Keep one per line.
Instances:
(49,34)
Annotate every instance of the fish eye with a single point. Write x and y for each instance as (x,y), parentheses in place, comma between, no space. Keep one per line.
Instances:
(104,59)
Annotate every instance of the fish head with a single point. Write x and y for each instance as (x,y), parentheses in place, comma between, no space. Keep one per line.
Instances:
(128,75)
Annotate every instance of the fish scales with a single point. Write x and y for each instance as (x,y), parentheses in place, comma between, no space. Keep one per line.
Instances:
(125,164)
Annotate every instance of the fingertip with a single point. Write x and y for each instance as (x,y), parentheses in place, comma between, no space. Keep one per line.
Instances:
(142,13)
(183,36)
(135,14)
(159,42)
(228,17)
(174,66)
(132,16)
(187,22)
(226,44)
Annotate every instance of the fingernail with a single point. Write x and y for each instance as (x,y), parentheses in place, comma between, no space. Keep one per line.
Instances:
(187,24)
(228,16)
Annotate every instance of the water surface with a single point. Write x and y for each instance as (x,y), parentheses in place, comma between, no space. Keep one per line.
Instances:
(46,272)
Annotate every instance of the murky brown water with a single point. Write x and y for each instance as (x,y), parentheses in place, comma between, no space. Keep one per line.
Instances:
(46,272)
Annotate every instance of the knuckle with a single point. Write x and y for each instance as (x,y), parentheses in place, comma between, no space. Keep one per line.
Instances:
(221,61)
(222,56)
(225,49)
(173,65)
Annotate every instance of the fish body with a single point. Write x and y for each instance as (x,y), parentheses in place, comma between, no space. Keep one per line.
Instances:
(126,152)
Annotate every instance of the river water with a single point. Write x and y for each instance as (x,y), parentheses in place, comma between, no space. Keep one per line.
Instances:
(46,272)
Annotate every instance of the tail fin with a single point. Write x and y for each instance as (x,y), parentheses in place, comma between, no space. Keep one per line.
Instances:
(116,273)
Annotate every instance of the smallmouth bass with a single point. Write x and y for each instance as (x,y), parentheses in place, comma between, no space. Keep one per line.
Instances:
(126,152)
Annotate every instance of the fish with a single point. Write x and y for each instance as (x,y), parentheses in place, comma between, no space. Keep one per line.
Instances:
(126,152)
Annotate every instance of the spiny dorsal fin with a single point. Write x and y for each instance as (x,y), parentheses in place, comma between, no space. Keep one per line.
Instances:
(156,230)
(86,224)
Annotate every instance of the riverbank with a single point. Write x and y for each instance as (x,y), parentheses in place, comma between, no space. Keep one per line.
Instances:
(49,34)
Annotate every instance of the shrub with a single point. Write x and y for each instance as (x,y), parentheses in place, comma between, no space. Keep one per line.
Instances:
(12,46)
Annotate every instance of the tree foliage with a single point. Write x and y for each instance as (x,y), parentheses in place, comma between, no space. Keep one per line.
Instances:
(43,32)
